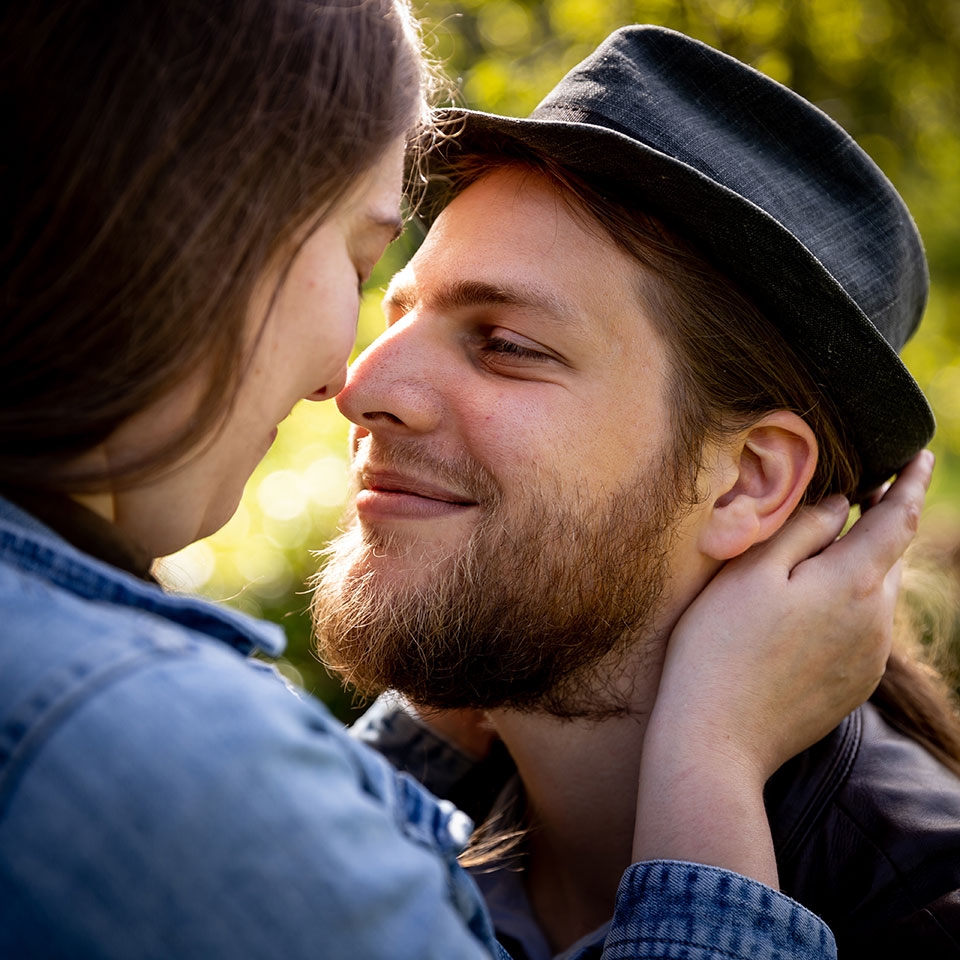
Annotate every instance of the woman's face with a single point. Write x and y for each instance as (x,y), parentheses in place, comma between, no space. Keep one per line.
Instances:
(301,353)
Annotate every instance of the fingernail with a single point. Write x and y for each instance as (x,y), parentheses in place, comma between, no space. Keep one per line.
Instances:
(837,503)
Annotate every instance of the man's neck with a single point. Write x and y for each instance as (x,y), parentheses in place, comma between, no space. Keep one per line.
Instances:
(580,779)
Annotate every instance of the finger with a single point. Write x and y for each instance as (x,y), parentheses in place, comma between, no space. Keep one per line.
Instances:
(806,534)
(891,583)
(917,472)
(878,539)
(873,498)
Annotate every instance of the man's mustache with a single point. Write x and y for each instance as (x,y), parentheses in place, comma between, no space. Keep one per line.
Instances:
(462,475)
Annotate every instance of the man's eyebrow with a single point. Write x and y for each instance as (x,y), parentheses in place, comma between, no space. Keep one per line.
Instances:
(460,294)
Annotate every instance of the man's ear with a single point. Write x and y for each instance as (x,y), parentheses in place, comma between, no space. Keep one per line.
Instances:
(761,476)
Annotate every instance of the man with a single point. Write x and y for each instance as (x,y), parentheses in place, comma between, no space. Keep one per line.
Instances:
(652,320)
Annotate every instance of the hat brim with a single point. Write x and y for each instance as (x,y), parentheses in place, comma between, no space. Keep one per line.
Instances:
(885,413)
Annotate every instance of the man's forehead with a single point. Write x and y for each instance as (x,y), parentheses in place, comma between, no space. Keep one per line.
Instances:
(515,201)
(516,230)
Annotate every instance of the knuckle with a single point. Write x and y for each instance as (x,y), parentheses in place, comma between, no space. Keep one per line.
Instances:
(911,517)
(864,583)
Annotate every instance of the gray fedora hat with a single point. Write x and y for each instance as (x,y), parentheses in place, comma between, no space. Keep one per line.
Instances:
(769,189)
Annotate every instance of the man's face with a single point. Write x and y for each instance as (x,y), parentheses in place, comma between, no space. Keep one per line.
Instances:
(517,501)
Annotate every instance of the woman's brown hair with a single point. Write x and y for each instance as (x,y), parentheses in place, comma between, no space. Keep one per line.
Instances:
(156,159)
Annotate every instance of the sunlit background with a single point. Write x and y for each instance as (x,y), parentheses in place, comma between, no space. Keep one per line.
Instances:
(888,70)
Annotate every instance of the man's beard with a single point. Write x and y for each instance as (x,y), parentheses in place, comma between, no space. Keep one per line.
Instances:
(535,612)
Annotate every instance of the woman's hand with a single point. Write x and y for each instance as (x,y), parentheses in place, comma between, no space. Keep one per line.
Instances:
(779,647)
(790,637)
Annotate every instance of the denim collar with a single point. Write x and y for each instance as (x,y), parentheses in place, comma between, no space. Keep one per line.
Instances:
(82,527)
(30,546)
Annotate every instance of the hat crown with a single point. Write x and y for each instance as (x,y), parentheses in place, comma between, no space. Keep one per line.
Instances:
(749,134)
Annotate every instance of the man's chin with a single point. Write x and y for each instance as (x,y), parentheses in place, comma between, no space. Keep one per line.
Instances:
(515,610)
(385,557)
(413,551)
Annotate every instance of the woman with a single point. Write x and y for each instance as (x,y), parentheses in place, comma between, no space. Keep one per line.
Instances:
(193,194)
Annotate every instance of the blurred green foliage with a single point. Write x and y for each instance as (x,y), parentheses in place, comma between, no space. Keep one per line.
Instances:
(887,70)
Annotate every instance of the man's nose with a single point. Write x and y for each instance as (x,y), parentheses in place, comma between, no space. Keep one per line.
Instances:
(395,385)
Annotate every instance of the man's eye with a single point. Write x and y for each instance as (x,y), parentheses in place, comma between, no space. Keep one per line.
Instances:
(498,346)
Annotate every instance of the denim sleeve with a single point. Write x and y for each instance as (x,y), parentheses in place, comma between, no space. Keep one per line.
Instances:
(193,808)
(671,909)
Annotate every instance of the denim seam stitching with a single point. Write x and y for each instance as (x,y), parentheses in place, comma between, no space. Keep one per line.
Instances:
(32,742)
(672,941)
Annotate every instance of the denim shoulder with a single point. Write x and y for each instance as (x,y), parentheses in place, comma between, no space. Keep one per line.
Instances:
(159,796)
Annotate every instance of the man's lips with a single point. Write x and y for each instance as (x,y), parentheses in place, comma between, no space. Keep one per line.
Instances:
(393,496)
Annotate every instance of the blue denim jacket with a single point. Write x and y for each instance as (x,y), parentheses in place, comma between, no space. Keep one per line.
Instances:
(161,795)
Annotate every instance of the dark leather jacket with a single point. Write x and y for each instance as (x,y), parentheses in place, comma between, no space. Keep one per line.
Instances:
(866,825)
